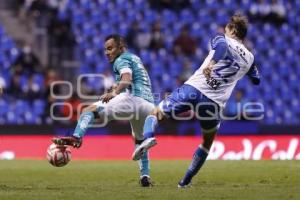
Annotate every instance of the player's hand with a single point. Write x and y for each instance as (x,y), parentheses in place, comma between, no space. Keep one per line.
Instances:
(107,97)
(1,90)
(207,70)
(112,88)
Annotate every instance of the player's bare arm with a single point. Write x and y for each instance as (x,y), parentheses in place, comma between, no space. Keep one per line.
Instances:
(126,81)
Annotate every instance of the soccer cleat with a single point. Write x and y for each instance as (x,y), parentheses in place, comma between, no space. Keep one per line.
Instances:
(70,141)
(182,184)
(145,181)
(140,150)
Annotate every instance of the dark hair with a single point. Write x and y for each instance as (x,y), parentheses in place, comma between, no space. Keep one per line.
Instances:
(120,40)
(239,24)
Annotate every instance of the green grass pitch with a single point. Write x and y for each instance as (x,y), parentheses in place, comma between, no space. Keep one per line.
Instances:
(85,180)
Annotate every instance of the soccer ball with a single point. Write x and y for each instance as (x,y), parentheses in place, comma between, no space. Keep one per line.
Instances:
(58,156)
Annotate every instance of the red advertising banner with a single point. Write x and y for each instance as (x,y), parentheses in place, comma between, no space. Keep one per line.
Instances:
(168,147)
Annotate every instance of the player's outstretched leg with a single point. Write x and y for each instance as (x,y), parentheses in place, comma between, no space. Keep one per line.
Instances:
(86,119)
(150,141)
(198,160)
(69,140)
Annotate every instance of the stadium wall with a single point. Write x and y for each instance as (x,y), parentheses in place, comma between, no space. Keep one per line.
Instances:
(247,147)
(170,128)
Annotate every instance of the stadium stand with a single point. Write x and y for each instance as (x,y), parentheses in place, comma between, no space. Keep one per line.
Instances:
(23,102)
(275,46)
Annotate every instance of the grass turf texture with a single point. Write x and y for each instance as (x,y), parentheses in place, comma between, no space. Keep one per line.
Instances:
(30,179)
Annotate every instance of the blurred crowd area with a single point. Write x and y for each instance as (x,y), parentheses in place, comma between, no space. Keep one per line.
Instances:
(172,39)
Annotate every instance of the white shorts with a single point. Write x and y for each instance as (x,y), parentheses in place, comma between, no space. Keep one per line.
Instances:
(125,106)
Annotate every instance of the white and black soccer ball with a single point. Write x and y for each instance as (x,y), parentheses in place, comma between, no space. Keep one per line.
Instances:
(58,156)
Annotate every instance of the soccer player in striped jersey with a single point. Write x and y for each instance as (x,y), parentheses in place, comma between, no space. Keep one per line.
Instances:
(206,91)
(131,99)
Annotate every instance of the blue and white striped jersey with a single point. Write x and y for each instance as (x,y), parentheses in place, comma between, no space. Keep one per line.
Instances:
(236,61)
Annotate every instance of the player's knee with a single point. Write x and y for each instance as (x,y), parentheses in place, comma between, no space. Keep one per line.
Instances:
(86,109)
(210,128)
(158,113)
(153,112)
(90,109)
(208,138)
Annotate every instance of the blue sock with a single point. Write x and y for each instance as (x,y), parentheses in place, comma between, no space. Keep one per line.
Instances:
(149,126)
(83,123)
(199,158)
(144,164)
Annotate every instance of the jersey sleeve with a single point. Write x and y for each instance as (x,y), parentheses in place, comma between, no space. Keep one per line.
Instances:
(123,66)
(219,44)
(253,74)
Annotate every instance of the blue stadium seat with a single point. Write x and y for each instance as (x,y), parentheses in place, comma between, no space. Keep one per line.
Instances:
(2,31)
(4,107)
(96,17)
(39,79)
(213,5)
(78,17)
(140,5)
(296,44)
(145,56)
(196,5)
(85,69)
(293,81)
(176,28)
(204,17)
(100,68)
(150,16)
(11,118)
(169,43)
(23,80)
(285,31)
(175,68)
(268,30)
(20,107)
(2,59)
(13,54)
(169,17)
(106,29)
(222,17)
(186,16)
(167,81)
(38,106)
(288,117)
(270,117)
(197,30)
(230,6)
(262,44)
(123,29)
(293,18)
(86,5)
(88,30)
(279,44)
(32,118)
